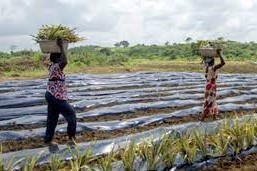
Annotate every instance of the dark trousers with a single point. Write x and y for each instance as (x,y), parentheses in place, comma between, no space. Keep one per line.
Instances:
(54,108)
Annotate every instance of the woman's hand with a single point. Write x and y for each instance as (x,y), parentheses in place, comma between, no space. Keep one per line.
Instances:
(63,61)
(59,42)
(219,52)
(222,61)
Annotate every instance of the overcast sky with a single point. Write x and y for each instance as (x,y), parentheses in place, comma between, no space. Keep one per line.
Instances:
(104,22)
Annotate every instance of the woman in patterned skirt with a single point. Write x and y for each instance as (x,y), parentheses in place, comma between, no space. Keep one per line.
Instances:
(56,97)
(210,106)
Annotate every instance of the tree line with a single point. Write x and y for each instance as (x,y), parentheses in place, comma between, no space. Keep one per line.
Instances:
(170,51)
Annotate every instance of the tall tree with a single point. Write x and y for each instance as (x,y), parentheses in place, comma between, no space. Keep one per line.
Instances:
(124,43)
(188,39)
(220,38)
(117,44)
(13,48)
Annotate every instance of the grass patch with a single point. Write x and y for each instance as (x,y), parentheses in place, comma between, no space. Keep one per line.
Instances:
(132,65)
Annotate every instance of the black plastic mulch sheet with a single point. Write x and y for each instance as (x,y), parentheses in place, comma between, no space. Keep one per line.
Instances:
(22,102)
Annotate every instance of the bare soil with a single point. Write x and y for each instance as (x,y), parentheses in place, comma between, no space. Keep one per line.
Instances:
(247,163)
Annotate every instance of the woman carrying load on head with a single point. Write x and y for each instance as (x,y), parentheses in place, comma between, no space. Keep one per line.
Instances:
(211,74)
(56,97)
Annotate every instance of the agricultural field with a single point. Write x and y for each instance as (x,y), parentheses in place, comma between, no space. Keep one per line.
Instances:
(139,74)
(139,120)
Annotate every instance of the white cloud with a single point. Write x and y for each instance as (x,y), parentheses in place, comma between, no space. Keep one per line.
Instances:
(105,22)
(246,4)
(233,23)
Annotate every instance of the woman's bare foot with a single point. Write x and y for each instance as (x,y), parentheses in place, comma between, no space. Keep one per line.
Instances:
(201,117)
(214,117)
